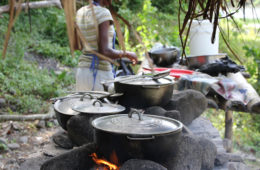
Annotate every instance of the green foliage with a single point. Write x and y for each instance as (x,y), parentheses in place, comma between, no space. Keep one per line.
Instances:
(246,132)
(152,25)
(3,147)
(243,39)
(253,52)
(25,87)
(26,91)
(132,5)
(169,7)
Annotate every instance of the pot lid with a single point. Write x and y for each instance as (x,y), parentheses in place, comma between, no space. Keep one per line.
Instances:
(146,80)
(137,124)
(65,106)
(97,107)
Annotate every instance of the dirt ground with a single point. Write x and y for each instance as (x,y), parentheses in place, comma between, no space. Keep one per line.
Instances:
(19,141)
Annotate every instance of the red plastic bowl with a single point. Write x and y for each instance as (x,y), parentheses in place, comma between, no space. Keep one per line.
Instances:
(174,72)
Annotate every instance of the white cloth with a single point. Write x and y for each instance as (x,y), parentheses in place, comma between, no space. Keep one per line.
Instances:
(85,79)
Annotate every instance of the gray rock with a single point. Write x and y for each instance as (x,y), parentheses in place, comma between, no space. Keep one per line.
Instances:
(188,156)
(13,146)
(134,164)
(13,166)
(203,127)
(51,150)
(2,102)
(80,130)
(3,141)
(75,159)
(41,124)
(155,110)
(209,153)
(223,167)
(11,161)
(61,139)
(235,157)
(33,163)
(221,159)
(237,166)
(23,139)
(190,103)
(174,114)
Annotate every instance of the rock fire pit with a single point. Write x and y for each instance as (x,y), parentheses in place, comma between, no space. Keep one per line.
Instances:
(199,148)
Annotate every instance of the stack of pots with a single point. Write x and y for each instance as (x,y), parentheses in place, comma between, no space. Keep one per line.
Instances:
(132,135)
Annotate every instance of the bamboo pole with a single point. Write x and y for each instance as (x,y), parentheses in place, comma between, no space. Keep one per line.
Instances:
(229,127)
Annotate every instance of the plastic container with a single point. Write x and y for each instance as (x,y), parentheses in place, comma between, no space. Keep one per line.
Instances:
(200,38)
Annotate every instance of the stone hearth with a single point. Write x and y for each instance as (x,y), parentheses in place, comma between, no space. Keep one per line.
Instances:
(200,146)
(200,127)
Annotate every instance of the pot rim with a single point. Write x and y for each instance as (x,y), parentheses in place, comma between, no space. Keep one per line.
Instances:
(177,130)
(169,78)
(219,55)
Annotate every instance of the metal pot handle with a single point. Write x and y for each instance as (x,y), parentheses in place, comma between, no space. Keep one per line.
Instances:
(141,138)
(97,101)
(86,94)
(130,114)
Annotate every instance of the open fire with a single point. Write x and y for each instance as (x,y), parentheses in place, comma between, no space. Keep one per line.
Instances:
(106,165)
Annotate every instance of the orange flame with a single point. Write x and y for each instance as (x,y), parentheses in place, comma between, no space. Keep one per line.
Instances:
(103,162)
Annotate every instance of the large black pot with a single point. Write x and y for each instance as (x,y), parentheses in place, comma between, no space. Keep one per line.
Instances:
(144,92)
(63,105)
(80,130)
(165,56)
(63,110)
(153,137)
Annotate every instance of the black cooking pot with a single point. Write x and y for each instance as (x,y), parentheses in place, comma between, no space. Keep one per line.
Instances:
(144,92)
(165,56)
(143,136)
(89,112)
(63,110)
(63,105)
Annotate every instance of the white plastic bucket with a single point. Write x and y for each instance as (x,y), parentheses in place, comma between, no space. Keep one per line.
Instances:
(200,38)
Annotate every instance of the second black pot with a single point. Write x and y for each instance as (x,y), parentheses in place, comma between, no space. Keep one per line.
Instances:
(142,93)
(129,143)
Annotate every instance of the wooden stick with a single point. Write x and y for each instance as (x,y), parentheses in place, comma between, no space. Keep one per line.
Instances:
(229,126)
(10,25)
(69,10)
(33,5)
(119,32)
(32,117)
